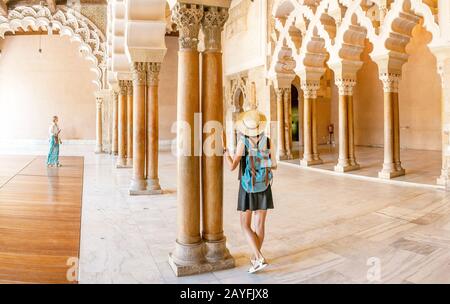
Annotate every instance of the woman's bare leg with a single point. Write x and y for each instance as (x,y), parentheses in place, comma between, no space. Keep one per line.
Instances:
(260,225)
(246,225)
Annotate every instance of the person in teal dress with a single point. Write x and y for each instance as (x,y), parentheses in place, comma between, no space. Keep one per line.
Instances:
(53,154)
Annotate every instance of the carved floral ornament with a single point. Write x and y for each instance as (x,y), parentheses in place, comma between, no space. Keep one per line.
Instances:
(69,23)
(348,35)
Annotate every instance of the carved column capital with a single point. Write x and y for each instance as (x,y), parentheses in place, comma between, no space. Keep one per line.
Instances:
(214,19)
(390,82)
(279,92)
(129,85)
(345,86)
(187,17)
(310,89)
(153,69)
(122,87)
(98,102)
(139,73)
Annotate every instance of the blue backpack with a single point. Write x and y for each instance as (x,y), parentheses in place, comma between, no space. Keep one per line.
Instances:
(257,175)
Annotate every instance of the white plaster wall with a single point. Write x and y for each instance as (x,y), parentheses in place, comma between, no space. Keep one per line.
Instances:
(34,87)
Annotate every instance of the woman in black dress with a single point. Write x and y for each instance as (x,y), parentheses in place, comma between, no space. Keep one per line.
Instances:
(253,154)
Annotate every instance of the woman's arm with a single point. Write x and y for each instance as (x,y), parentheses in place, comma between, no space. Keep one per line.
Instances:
(233,162)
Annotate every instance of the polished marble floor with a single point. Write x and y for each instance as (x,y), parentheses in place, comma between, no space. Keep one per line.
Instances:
(324,229)
(422,167)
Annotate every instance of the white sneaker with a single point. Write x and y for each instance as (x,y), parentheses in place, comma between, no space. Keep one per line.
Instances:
(257,265)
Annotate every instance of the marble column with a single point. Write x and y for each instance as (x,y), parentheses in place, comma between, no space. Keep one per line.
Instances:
(280,124)
(99,126)
(138,181)
(115,124)
(310,153)
(392,166)
(153,186)
(287,122)
(444,178)
(346,160)
(129,124)
(188,256)
(212,162)
(122,125)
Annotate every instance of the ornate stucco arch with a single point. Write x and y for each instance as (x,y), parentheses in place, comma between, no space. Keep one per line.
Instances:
(69,23)
(353,28)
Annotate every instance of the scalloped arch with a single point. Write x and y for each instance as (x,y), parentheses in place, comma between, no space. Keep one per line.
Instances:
(333,47)
(69,23)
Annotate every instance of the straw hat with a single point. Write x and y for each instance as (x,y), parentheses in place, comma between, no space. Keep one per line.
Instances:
(251,123)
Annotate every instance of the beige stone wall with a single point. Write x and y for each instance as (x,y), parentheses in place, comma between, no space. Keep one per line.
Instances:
(419,93)
(168,90)
(34,87)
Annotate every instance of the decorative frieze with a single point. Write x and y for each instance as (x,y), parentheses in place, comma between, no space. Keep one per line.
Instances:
(187,17)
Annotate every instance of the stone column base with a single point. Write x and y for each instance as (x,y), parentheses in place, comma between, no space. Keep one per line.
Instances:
(389,173)
(283,157)
(122,164)
(190,259)
(311,162)
(137,186)
(346,168)
(130,162)
(98,150)
(444,179)
(146,192)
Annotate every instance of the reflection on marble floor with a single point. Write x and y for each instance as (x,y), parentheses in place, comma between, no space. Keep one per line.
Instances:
(325,229)
(422,167)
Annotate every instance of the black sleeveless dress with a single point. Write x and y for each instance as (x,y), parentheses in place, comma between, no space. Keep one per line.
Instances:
(253,201)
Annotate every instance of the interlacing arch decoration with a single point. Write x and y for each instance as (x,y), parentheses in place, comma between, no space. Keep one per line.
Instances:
(67,22)
(343,41)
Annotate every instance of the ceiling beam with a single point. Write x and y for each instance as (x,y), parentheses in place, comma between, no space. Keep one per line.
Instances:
(51,5)
(3,8)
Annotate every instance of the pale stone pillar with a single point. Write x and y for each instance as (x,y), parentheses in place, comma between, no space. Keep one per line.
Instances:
(99,126)
(212,163)
(280,124)
(122,125)
(188,256)
(310,154)
(287,123)
(138,181)
(392,165)
(153,186)
(129,124)
(315,134)
(346,160)
(444,178)
(115,124)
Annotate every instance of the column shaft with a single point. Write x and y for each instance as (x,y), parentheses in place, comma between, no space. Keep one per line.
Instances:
(280,124)
(115,122)
(307,131)
(138,182)
(153,186)
(315,135)
(130,124)
(346,160)
(287,122)
(444,178)
(391,165)
(99,127)
(122,125)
